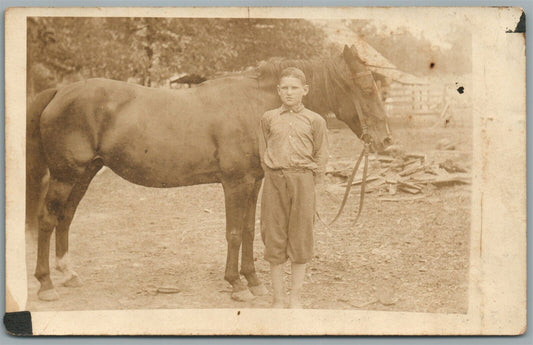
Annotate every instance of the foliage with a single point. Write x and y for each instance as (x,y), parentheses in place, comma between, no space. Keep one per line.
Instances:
(154,49)
(418,55)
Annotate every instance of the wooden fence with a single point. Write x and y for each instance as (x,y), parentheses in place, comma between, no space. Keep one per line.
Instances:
(416,99)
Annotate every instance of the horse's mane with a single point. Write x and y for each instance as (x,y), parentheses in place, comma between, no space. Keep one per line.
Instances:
(329,76)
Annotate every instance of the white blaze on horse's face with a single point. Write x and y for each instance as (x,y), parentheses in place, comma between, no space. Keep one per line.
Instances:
(291,90)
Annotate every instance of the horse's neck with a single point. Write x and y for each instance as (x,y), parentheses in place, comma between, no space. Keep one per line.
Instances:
(317,99)
(317,105)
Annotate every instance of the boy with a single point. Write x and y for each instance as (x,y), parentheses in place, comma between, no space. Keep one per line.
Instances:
(293,155)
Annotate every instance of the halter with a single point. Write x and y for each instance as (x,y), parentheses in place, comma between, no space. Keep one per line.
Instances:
(375,88)
(366,138)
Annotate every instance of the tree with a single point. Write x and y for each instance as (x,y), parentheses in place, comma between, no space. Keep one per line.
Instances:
(153,49)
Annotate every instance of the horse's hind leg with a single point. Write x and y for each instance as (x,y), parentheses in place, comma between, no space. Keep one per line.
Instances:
(237,195)
(49,215)
(71,278)
(248,234)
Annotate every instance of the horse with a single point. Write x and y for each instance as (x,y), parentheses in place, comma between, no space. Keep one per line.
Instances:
(167,138)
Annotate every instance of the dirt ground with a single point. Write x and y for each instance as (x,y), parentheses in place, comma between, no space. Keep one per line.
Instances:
(127,241)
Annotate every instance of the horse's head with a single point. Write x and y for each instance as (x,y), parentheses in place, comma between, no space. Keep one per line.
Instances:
(361,107)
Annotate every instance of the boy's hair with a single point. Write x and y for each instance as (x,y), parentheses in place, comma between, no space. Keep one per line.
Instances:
(294,73)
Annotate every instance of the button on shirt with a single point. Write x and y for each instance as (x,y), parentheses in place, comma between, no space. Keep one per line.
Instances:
(294,138)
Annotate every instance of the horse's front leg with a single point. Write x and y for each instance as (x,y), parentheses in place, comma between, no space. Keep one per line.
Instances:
(236,194)
(248,234)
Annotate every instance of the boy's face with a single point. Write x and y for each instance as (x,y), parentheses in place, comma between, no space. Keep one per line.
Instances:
(291,90)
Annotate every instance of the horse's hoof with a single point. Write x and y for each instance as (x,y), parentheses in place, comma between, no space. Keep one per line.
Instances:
(48,295)
(258,290)
(73,281)
(242,296)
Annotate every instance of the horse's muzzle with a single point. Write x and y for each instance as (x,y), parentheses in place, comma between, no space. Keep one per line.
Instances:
(380,147)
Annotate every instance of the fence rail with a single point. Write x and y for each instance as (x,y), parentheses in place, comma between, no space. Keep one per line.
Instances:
(404,99)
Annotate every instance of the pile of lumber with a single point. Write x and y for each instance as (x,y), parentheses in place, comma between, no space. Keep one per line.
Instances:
(410,173)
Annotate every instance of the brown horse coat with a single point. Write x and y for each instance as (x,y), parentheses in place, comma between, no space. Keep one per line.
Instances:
(154,137)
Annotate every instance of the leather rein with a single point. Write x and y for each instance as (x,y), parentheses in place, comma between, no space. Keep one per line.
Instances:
(365,137)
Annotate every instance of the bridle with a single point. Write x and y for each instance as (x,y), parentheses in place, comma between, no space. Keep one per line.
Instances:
(367,139)
(374,87)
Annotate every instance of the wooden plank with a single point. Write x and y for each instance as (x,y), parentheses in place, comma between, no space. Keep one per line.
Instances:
(409,189)
(385,159)
(374,185)
(411,170)
(452,179)
(424,180)
(402,164)
(444,180)
(409,185)
(421,156)
(368,179)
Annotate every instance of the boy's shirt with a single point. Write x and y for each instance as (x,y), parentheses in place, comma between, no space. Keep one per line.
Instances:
(294,138)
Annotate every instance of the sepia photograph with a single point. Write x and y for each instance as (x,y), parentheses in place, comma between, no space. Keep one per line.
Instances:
(295,162)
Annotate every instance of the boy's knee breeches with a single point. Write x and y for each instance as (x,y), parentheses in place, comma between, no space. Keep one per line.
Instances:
(287,215)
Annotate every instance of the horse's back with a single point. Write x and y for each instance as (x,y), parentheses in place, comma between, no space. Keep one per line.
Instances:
(153,137)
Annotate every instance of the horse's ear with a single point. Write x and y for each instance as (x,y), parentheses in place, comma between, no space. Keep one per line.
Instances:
(352,59)
(347,54)
(350,54)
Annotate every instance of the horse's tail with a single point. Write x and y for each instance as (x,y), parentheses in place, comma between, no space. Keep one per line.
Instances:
(36,168)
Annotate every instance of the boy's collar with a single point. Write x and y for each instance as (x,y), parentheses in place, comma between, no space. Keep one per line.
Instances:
(295,109)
